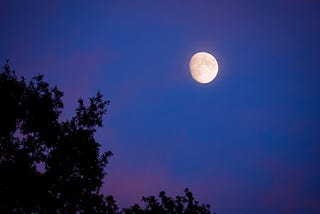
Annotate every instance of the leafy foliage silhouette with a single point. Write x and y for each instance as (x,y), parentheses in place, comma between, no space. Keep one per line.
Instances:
(165,204)
(53,166)
(31,135)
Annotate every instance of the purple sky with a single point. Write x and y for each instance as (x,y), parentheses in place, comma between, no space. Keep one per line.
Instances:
(249,142)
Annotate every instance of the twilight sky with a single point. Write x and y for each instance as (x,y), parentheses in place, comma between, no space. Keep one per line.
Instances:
(249,142)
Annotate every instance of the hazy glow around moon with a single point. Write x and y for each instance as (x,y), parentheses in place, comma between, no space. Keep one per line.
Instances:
(203,67)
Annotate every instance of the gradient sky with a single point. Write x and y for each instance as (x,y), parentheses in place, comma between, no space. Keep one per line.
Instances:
(249,142)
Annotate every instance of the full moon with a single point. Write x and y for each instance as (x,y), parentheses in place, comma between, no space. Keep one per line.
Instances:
(203,67)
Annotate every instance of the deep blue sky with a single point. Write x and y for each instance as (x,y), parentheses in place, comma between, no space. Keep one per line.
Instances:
(249,142)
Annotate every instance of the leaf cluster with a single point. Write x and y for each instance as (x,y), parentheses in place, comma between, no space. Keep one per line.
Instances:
(48,165)
(167,205)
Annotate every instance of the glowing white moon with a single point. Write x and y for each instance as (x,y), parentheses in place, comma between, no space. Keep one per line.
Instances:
(203,67)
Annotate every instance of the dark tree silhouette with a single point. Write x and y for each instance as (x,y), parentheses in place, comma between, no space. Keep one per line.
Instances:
(165,204)
(31,135)
(53,166)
